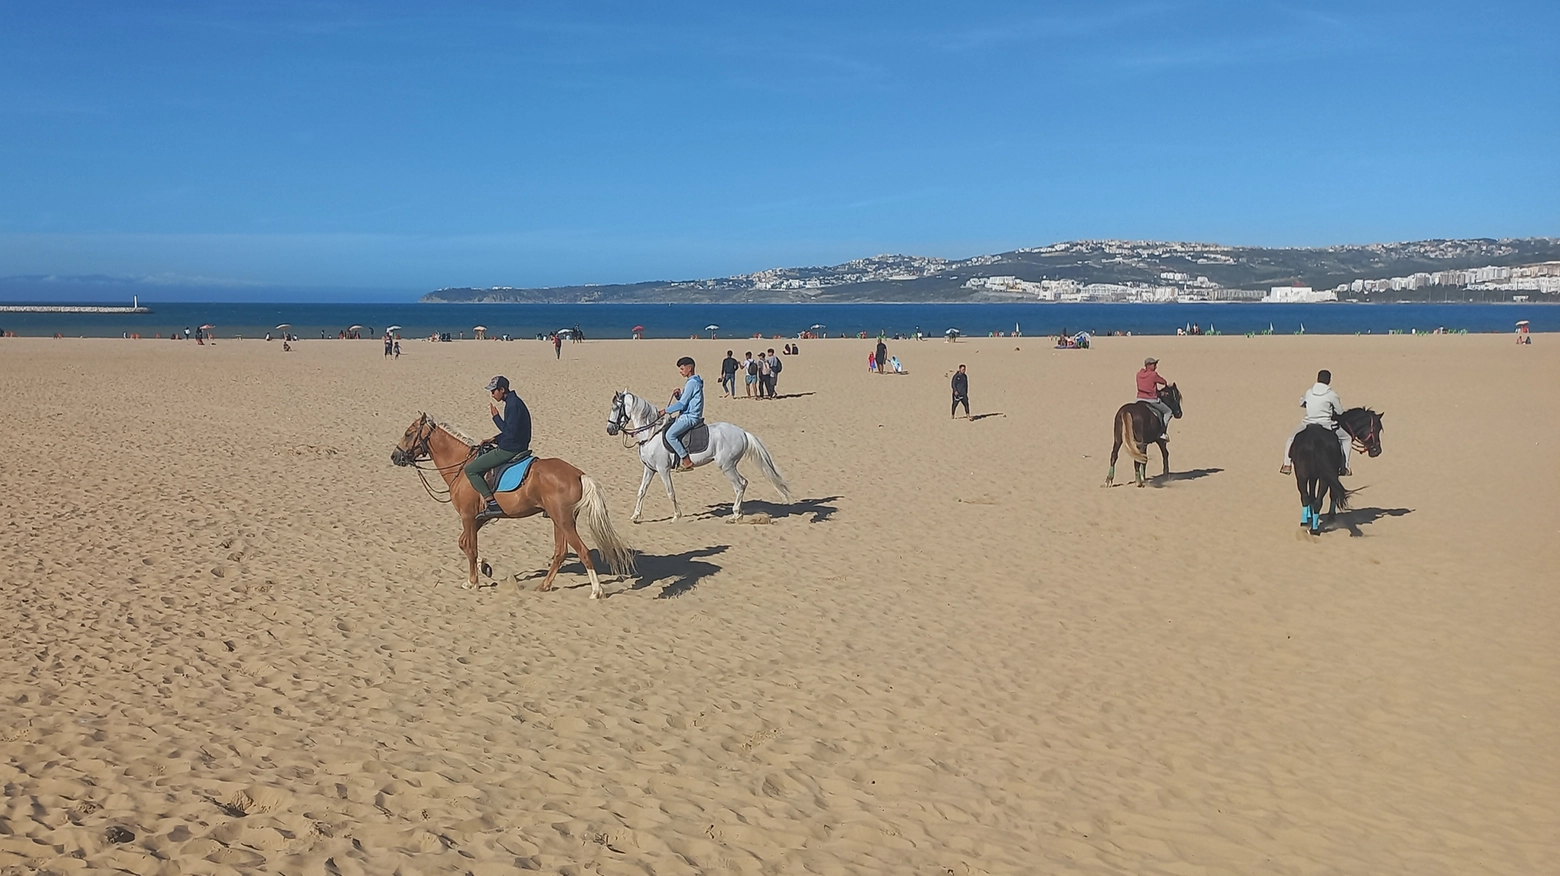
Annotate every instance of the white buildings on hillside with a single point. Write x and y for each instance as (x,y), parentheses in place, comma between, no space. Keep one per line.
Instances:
(1298,295)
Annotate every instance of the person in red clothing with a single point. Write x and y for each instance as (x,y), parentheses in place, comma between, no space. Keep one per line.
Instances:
(1148,382)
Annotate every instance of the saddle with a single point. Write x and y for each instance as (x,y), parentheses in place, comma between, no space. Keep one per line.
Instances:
(509,476)
(697,439)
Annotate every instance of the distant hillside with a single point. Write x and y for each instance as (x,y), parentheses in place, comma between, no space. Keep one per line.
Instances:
(1203,266)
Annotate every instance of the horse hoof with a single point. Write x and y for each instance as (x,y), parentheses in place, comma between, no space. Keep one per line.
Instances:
(487,569)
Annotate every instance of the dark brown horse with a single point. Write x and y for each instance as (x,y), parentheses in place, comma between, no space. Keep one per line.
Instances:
(1318,461)
(1137,426)
(552,487)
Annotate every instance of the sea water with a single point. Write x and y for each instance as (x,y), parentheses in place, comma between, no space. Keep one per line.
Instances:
(786,320)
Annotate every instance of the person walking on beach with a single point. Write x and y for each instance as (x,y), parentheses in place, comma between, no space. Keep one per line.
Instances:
(512,442)
(557,346)
(1321,404)
(750,374)
(763,375)
(1148,382)
(961,393)
(774,371)
(728,376)
(397,349)
(389,345)
(689,408)
(882,357)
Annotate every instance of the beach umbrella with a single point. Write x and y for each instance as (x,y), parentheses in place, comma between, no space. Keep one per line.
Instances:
(354,328)
(637,328)
(479,328)
(1522,322)
(710,328)
(817,325)
(953,332)
(208,326)
(392,328)
(285,325)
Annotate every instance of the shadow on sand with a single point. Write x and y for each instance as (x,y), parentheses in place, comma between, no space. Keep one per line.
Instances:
(1354,518)
(820,509)
(679,572)
(1195,474)
(984,416)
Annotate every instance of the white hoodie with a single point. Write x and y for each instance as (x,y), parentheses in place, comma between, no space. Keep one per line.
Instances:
(1321,405)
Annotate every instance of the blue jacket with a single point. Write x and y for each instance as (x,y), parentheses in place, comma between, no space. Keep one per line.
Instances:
(692,401)
(514,425)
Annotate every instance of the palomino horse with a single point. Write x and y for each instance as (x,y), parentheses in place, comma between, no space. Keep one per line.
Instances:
(553,487)
(1318,462)
(1137,426)
(639,420)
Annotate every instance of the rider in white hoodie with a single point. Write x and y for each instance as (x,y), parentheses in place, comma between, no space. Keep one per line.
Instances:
(1321,404)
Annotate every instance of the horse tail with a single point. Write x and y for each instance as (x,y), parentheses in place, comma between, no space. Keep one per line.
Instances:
(1335,488)
(591,511)
(1138,453)
(757,452)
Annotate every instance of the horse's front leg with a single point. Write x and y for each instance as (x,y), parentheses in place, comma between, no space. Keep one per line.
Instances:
(644,486)
(666,478)
(468,544)
(1164,449)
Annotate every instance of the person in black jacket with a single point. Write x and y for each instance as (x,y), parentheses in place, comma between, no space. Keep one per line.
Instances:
(512,442)
(728,375)
(961,393)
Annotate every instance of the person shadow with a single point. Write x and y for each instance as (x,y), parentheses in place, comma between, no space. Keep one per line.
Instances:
(676,573)
(820,509)
(984,416)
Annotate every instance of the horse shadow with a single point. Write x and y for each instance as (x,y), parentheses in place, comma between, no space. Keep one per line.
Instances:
(680,572)
(1195,474)
(818,508)
(1353,518)
(984,416)
(789,395)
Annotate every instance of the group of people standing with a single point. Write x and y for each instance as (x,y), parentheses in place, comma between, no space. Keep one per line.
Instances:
(759,375)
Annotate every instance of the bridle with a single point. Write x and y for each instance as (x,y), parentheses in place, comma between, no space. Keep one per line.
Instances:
(630,434)
(1361,445)
(421,450)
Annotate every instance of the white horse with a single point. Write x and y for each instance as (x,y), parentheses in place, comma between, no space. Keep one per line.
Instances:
(638,420)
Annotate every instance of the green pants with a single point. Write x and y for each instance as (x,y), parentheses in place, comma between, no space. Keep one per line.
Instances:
(484,462)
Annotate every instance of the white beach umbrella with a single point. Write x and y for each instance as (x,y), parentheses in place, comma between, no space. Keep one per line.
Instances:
(710,328)
(392,328)
(479,328)
(953,332)
(285,325)
(816,326)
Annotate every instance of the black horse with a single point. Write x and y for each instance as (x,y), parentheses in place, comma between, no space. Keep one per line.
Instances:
(1137,426)
(1318,462)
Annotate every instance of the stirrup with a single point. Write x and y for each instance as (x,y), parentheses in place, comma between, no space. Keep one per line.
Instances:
(1346,473)
(1286,469)
(490,511)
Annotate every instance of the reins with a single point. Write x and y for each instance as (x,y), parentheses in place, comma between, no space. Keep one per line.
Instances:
(423,450)
(631,433)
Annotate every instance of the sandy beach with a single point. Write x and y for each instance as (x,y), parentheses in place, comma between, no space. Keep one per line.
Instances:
(236,640)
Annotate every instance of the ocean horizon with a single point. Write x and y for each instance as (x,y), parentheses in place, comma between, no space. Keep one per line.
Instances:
(598,321)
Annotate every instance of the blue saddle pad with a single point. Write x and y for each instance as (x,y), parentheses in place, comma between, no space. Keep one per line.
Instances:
(512,475)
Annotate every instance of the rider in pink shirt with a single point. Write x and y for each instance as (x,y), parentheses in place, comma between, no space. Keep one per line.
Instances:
(1148,383)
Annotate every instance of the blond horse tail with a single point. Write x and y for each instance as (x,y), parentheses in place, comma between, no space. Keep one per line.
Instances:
(1129,439)
(757,452)
(591,513)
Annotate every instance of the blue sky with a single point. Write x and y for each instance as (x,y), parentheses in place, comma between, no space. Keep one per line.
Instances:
(392,148)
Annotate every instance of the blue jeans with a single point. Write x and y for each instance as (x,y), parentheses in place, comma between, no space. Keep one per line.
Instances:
(728,382)
(683,426)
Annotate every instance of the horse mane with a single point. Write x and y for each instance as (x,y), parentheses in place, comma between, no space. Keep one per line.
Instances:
(456,433)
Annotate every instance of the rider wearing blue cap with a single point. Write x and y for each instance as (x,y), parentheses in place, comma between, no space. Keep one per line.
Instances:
(690,409)
(512,442)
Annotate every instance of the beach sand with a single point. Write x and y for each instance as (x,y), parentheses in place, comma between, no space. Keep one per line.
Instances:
(235,631)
